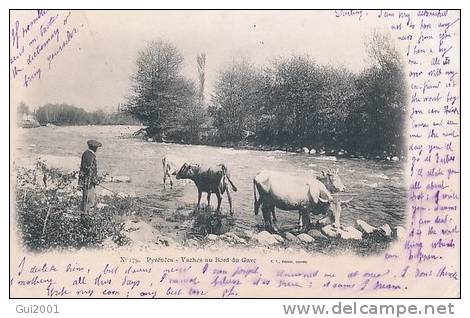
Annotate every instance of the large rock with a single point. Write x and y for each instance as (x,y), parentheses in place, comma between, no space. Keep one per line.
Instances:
(305,150)
(365,228)
(395,158)
(232,238)
(347,233)
(323,222)
(100,206)
(139,231)
(265,238)
(278,238)
(313,151)
(386,230)
(291,237)
(400,233)
(316,234)
(121,179)
(303,237)
(212,237)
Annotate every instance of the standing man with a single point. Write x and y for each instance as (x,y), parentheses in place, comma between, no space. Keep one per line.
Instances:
(88,176)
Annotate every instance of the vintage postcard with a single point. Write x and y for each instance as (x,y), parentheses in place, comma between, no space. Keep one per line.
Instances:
(235,154)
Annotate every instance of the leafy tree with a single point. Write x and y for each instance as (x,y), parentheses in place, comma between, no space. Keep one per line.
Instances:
(160,96)
(379,115)
(236,100)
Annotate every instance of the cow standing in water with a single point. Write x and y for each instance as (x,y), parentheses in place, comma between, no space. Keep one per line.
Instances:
(210,179)
(301,193)
(332,182)
(171,166)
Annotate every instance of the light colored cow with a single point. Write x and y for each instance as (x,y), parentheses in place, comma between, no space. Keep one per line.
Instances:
(304,194)
(171,165)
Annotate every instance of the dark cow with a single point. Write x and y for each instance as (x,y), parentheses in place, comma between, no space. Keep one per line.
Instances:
(211,179)
(301,193)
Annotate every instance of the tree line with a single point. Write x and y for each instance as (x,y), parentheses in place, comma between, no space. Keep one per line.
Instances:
(65,114)
(290,101)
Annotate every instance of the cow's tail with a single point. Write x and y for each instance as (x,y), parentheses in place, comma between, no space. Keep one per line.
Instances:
(257,203)
(226,175)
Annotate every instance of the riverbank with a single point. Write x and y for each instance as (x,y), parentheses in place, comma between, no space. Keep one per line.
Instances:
(321,151)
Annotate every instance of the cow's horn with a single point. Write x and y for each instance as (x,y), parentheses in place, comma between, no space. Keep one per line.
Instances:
(323,200)
(346,201)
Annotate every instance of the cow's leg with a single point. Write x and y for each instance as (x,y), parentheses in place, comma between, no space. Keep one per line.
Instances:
(164,179)
(229,197)
(219,200)
(305,217)
(199,194)
(299,223)
(171,180)
(209,199)
(274,215)
(265,207)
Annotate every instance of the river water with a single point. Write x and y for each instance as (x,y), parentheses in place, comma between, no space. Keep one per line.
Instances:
(378,188)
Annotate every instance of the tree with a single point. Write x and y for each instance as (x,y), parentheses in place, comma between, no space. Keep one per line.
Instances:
(160,95)
(379,115)
(236,100)
(201,66)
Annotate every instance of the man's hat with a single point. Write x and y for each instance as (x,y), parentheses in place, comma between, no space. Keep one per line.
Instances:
(93,143)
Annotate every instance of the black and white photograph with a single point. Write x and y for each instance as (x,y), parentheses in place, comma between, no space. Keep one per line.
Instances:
(293,132)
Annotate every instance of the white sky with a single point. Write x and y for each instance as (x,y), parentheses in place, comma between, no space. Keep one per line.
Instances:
(93,71)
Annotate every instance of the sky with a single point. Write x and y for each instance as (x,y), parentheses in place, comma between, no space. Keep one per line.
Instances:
(93,69)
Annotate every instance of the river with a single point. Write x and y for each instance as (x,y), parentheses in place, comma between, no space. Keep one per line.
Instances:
(378,188)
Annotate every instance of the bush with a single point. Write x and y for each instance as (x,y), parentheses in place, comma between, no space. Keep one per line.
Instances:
(48,217)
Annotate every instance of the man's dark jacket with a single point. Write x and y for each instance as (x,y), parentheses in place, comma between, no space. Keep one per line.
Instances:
(88,176)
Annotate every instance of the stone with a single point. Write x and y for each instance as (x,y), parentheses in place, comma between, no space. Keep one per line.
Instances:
(139,231)
(248,234)
(108,243)
(166,241)
(265,238)
(316,234)
(350,233)
(386,230)
(395,158)
(400,233)
(330,231)
(303,237)
(121,179)
(305,150)
(323,221)
(212,237)
(364,227)
(347,233)
(192,243)
(278,238)
(312,151)
(100,205)
(291,237)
